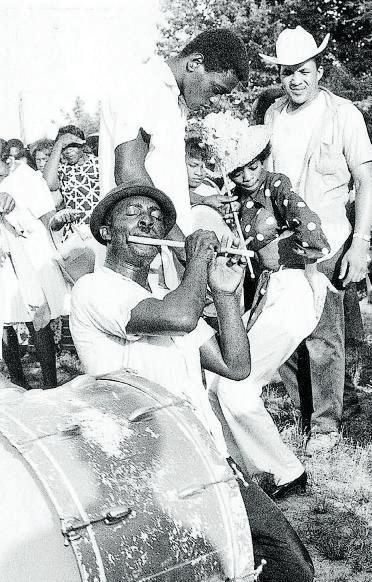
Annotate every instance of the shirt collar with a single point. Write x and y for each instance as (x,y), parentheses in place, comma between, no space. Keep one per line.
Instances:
(166,75)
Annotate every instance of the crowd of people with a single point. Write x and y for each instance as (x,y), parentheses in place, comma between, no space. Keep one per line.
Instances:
(192,319)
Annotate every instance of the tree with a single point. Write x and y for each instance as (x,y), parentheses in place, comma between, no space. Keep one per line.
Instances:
(80,117)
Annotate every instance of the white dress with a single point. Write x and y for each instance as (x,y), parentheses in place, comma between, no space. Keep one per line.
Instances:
(32,287)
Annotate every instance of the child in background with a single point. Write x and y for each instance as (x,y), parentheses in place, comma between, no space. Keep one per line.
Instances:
(202,189)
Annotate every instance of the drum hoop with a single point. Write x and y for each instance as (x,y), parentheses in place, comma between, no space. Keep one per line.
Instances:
(42,463)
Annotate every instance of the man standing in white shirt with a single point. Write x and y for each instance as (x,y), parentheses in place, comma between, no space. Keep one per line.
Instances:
(142,127)
(321,142)
(120,317)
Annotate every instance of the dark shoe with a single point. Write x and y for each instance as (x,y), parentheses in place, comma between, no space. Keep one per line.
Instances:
(294,486)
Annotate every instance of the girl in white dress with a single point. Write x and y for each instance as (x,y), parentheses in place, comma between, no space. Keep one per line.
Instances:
(32,287)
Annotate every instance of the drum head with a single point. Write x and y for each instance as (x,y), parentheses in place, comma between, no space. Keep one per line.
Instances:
(208,218)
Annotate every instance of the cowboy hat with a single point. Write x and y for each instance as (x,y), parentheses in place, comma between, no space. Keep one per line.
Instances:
(295,46)
(121,192)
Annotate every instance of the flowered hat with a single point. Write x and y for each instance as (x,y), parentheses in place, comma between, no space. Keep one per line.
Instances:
(232,141)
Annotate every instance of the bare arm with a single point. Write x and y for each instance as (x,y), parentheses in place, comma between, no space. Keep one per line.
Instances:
(178,313)
(50,171)
(231,357)
(130,169)
(130,161)
(354,263)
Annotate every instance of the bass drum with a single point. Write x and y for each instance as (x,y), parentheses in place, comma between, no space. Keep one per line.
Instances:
(209,218)
(114,479)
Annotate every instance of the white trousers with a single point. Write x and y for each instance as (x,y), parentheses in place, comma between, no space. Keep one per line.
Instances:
(290,314)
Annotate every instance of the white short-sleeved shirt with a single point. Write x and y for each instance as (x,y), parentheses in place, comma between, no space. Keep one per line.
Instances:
(101,306)
(150,100)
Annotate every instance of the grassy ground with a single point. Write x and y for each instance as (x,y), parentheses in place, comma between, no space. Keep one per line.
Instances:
(334,517)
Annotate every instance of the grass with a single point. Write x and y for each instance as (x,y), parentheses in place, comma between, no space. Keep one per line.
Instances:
(334,517)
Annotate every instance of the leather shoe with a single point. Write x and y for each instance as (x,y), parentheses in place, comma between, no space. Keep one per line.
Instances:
(295,486)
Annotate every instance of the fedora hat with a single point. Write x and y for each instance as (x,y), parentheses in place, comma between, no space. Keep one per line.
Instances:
(295,46)
(121,192)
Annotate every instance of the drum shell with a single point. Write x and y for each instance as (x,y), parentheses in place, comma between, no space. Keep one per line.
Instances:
(179,526)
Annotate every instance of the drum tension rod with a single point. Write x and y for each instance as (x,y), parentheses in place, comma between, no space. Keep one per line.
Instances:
(72,526)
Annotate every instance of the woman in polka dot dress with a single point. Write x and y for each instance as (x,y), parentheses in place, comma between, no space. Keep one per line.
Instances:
(288,239)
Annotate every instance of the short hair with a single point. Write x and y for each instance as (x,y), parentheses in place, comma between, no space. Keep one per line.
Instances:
(13,143)
(223,50)
(71,129)
(193,149)
(41,145)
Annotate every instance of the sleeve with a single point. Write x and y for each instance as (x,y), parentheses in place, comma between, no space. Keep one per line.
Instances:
(100,304)
(309,238)
(40,199)
(202,333)
(356,142)
(125,114)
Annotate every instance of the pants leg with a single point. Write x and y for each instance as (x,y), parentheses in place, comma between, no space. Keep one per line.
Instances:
(12,357)
(317,372)
(326,347)
(46,354)
(287,317)
(274,539)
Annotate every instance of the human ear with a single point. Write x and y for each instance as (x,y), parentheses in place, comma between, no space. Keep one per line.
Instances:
(320,72)
(194,61)
(105,232)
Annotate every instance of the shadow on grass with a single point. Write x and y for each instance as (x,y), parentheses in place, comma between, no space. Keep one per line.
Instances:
(340,535)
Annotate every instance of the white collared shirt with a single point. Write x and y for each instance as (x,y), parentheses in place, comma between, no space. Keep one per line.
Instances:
(150,100)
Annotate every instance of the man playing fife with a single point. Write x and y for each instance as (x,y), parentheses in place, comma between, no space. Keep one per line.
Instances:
(320,142)
(121,318)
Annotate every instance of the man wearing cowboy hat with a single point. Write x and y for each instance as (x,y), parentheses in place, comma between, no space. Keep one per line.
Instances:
(321,142)
(120,317)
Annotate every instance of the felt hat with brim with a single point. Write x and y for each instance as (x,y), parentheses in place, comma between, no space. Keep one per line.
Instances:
(252,141)
(99,214)
(295,46)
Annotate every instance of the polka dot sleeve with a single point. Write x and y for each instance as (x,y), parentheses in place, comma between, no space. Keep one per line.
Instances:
(309,238)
